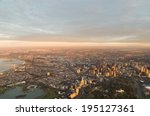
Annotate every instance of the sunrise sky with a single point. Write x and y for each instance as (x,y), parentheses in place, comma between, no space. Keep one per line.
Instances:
(70,21)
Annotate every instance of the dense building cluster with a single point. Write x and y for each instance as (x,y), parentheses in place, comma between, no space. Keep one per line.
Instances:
(76,72)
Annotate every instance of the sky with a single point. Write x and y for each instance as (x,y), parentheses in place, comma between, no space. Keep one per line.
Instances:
(95,21)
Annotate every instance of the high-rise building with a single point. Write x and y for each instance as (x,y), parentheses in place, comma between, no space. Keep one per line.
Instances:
(78,70)
(147,71)
(48,74)
(148,75)
(142,69)
(107,74)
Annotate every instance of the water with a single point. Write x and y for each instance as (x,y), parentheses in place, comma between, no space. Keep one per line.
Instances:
(5,64)
(18,91)
(12,93)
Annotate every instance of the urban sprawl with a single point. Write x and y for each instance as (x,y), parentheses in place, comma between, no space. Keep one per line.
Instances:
(82,73)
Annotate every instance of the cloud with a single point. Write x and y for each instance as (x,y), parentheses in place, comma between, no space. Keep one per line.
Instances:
(5,36)
(124,38)
(11,30)
(76,20)
(44,31)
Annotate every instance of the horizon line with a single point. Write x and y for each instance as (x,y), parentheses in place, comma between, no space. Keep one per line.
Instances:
(17,43)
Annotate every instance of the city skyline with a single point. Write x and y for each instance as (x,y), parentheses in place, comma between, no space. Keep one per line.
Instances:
(75,22)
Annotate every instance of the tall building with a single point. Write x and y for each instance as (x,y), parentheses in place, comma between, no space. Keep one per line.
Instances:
(107,74)
(78,70)
(147,71)
(48,74)
(148,75)
(142,69)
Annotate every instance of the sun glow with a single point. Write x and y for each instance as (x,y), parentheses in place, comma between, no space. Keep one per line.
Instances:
(15,43)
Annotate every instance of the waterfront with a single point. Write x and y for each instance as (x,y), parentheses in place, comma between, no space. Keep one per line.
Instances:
(6,64)
(18,92)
